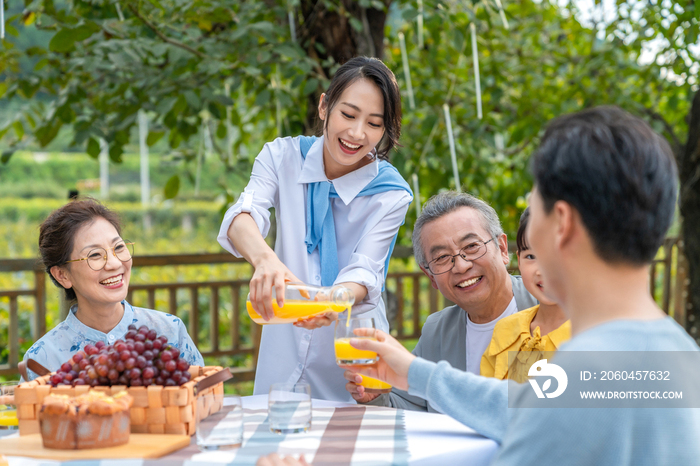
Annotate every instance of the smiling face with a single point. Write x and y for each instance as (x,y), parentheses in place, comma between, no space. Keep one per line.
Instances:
(353,128)
(95,288)
(532,278)
(480,287)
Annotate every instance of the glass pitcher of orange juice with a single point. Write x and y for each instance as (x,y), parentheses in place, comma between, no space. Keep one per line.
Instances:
(302,301)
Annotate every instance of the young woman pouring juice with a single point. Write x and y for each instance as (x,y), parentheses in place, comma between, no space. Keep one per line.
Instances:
(339,205)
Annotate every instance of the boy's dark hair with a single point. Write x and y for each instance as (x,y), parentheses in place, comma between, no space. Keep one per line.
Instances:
(617,173)
(376,71)
(520,240)
(57,233)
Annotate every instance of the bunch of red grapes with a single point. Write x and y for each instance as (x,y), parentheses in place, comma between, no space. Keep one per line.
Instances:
(143,358)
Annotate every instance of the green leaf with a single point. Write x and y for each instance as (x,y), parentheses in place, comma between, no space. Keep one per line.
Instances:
(41,64)
(153,137)
(19,129)
(310,86)
(193,100)
(3,88)
(263,98)
(172,187)
(63,40)
(6,156)
(93,148)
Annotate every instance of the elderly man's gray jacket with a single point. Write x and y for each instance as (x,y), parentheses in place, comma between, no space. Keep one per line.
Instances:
(444,339)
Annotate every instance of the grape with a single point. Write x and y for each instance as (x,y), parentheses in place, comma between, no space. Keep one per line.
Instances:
(176,376)
(76,368)
(120,366)
(163,339)
(166,356)
(160,364)
(123,380)
(135,373)
(92,373)
(94,382)
(113,374)
(83,375)
(147,382)
(79,356)
(165,374)
(139,347)
(148,345)
(157,344)
(74,374)
(144,329)
(130,346)
(66,367)
(170,382)
(67,377)
(100,344)
(140,337)
(148,373)
(56,378)
(134,354)
(136,383)
(170,366)
(78,381)
(92,359)
(124,355)
(83,363)
(148,354)
(155,352)
(120,346)
(152,335)
(103,381)
(182,365)
(186,376)
(89,349)
(159,380)
(102,370)
(176,353)
(102,359)
(130,363)
(113,356)
(132,327)
(130,335)
(141,362)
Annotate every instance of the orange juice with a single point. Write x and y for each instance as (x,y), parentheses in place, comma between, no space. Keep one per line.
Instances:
(8,419)
(346,354)
(293,311)
(373,385)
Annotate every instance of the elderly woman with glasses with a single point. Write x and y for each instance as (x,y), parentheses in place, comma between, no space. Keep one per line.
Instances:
(83,252)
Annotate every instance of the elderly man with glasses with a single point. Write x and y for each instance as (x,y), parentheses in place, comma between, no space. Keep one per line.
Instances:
(460,245)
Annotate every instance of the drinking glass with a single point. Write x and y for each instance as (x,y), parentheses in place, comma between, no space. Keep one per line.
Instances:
(289,408)
(8,410)
(223,429)
(346,355)
(373,385)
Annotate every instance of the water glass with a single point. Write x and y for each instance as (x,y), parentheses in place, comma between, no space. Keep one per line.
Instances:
(223,429)
(289,408)
(8,410)
(346,355)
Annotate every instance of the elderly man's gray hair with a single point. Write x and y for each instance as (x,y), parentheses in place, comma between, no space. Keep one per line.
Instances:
(444,203)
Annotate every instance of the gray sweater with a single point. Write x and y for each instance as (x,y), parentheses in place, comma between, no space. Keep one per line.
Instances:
(444,339)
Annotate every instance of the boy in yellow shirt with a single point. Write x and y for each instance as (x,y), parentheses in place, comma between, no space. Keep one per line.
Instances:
(535,333)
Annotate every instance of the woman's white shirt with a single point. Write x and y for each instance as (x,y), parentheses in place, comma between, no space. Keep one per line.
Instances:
(365,227)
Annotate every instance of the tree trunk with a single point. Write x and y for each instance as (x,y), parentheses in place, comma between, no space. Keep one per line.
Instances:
(330,34)
(689,171)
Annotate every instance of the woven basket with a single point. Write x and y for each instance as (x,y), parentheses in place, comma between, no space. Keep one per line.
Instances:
(156,409)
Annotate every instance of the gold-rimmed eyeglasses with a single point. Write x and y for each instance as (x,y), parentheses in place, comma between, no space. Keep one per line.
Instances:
(471,252)
(97,258)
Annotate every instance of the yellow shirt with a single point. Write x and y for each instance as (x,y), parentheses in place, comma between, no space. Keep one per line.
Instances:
(512,333)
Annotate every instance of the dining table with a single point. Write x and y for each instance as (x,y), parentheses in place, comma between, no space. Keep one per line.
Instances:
(340,434)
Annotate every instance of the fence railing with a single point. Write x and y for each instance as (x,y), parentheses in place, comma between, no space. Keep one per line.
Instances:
(212,309)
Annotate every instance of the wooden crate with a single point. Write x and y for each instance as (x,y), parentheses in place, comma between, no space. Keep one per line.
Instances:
(156,409)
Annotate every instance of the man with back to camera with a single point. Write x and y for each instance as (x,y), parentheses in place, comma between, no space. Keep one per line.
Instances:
(604,197)
(459,244)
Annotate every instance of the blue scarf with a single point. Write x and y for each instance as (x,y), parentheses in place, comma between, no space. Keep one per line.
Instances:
(320,227)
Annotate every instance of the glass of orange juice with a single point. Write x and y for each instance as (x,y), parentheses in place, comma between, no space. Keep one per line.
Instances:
(373,385)
(8,410)
(345,354)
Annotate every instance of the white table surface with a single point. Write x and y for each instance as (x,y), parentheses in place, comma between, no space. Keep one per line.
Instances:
(433,439)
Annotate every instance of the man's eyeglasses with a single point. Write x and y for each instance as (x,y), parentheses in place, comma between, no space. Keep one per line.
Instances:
(471,252)
(97,258)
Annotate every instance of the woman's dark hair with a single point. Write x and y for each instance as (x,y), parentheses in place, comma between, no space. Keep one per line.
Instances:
(520,241)
(57,233)
(377,72)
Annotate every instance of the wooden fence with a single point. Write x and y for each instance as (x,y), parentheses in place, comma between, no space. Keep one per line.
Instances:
(409,296)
